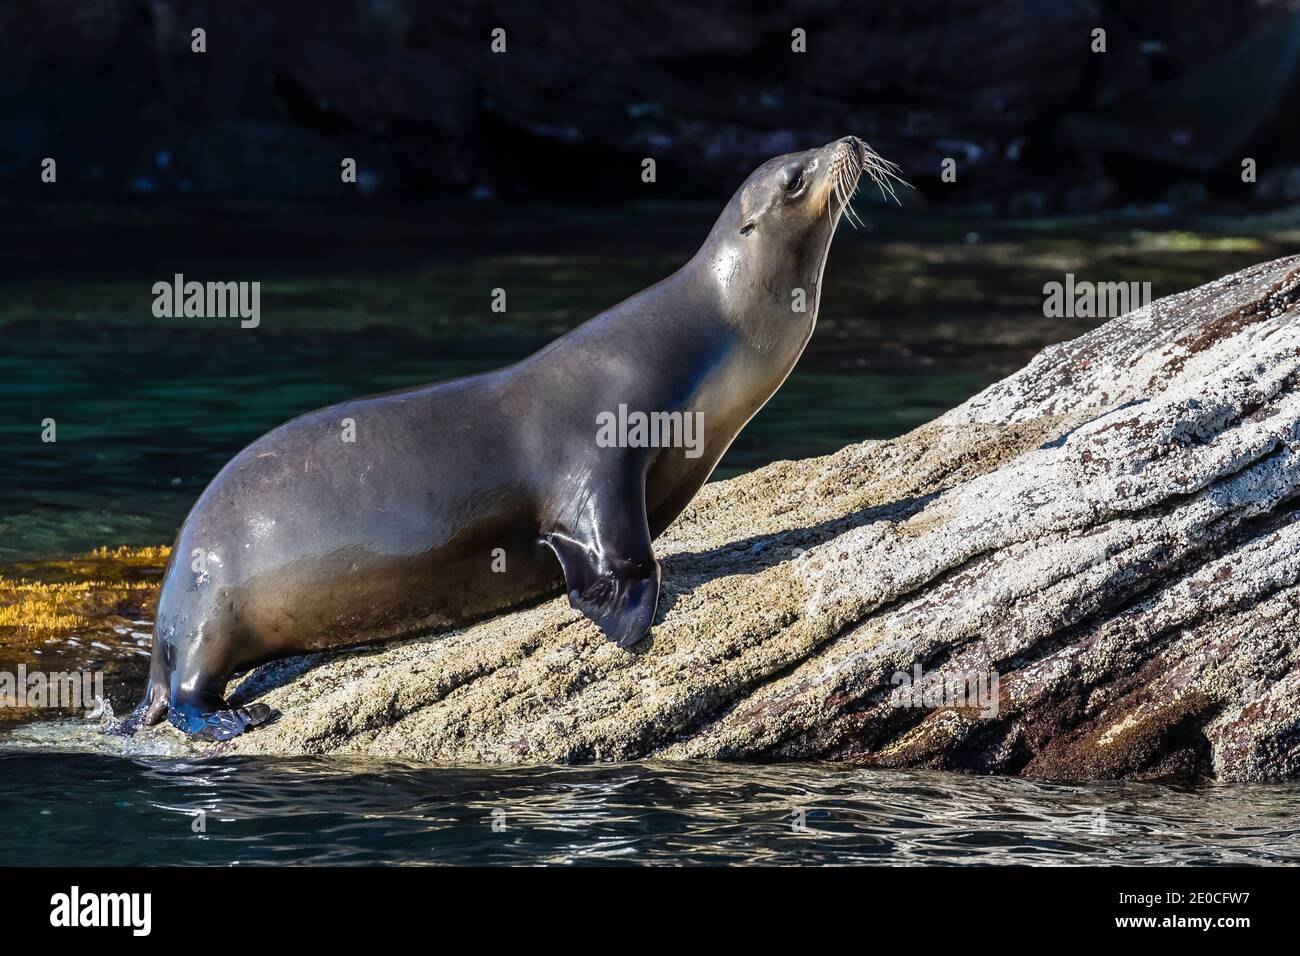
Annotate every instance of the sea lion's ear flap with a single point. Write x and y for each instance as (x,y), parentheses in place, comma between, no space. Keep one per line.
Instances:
(610,571)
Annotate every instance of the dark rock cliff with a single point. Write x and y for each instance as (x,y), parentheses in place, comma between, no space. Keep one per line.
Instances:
(1010,89)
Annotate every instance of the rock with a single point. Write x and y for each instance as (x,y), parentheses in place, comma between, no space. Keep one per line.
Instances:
(414,93)
(1280,185)
(1221,110)
(1108,540)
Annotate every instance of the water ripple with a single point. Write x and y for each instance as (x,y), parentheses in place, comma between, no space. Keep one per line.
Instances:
(83,808)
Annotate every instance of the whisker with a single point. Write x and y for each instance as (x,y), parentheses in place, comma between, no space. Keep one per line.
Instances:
(852,215)
(837,188)
(849,186)
(881,176)
(881,171)
(846,207)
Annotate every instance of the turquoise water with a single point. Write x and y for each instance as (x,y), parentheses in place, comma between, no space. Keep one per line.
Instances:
(918,314)
(138,438)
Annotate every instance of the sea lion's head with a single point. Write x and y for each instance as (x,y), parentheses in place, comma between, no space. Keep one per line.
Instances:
(770,243)
(799,192)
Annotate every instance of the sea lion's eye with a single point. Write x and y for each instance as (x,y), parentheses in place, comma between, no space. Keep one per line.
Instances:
(792,178)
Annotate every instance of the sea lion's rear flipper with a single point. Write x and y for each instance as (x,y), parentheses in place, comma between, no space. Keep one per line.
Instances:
(217,724)
(198,708)
(610,571)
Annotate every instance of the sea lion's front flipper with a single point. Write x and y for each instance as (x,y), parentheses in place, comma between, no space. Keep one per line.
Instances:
(618,594)
(610,571)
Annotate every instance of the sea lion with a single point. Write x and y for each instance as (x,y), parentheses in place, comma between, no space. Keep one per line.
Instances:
(461,498)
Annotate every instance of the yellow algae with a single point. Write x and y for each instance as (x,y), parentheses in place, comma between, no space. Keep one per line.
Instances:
(82,593)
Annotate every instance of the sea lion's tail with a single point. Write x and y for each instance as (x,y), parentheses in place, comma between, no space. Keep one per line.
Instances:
(154,705)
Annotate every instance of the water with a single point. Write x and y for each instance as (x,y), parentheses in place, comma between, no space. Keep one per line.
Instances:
(918,313)
(98,810)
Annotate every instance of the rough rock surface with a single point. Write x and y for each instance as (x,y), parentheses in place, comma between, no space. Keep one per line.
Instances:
(1113,532)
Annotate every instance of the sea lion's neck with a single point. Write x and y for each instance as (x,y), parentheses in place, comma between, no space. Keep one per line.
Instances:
(770,308)
(768,296)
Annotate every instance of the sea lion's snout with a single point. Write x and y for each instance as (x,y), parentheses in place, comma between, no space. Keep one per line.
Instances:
(852,144)
(842,162)
(850,158)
